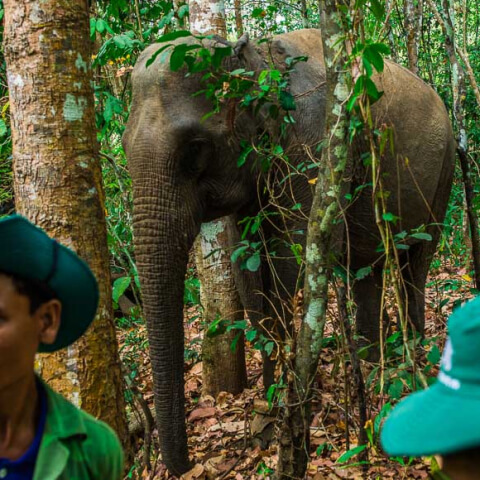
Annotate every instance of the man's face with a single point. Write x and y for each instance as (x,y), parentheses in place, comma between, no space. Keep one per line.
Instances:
(21,332)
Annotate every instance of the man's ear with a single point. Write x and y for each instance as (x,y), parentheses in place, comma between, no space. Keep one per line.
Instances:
(49,315)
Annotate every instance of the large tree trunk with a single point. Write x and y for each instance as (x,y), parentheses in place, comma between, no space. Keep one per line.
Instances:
(224,368)
(57,179)
(330,188)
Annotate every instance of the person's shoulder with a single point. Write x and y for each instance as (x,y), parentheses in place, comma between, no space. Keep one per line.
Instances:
(99,432)
(99,444)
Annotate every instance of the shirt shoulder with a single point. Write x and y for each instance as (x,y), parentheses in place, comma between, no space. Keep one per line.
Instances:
(102,448)
(90,442)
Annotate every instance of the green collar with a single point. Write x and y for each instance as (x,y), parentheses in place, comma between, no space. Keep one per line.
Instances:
(63,419)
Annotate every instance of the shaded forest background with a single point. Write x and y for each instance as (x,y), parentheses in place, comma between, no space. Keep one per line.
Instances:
(228,441)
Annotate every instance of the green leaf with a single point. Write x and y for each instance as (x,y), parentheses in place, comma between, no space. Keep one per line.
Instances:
(434,355)
(119,287)
(287,101)
(253,262)
(363,272)
(373,56)
(390,217)
(386,409)
(368,66)
(156,54)
(93,27)
(422,236)
(168,37)
(182,11)
(396,389)
(238,253)
(250,335)
(378,9)
(219,54)
(269,348)
(177,58)
(3,128)
(351,453)
(372,90)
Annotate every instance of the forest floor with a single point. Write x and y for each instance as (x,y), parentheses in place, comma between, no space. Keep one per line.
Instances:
(233,437)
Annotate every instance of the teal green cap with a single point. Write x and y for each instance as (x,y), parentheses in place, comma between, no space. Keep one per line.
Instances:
(28,252)
(445,418)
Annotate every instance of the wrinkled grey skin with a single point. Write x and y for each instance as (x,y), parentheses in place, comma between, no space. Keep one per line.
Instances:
(184,173)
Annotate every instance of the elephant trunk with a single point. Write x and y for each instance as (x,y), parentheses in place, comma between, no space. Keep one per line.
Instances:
(163,234)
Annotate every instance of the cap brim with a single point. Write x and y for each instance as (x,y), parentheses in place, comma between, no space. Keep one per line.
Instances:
(438,420)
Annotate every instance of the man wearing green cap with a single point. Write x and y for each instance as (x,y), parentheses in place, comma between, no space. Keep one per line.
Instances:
(48,298)
(445,419)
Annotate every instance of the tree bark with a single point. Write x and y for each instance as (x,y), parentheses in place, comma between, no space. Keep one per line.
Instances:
(58,182)
(238,17)
(208,16)
(224,369)
(294,430)
(412,27)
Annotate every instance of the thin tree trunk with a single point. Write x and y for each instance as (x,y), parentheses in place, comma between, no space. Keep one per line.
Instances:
(305,22)
(224,368)
(412,27)
(294,429)
(58,182)
(446,18)
(238,17)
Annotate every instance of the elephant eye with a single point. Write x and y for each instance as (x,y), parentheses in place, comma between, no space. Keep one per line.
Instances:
(195,156)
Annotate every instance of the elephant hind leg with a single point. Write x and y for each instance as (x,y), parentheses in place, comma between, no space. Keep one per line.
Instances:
(415,273)
(368,298)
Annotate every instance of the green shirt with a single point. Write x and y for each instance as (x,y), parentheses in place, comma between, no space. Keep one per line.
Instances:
(76,446)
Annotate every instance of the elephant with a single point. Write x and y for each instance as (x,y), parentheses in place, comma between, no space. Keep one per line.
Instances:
(184,172)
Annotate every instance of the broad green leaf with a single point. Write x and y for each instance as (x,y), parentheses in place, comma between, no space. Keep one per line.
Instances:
(363,272)
(351,453)
(287,101)
(269,348)
(156,54)
(182,11)
(253,262)
(250,335)
(119,287)
(422,236)
(373,57)
(434,355)
(378,9)
(177,58)
(396,389)
(168,37)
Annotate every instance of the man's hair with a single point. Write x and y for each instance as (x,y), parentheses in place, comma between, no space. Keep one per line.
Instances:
(36,291)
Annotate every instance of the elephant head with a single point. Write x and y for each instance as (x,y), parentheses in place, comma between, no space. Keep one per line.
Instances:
(184,172)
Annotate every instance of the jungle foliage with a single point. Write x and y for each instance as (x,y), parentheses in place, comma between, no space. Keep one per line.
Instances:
(121,29)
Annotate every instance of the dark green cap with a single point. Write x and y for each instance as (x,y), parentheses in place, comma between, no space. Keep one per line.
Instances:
(28,252)
(445,418)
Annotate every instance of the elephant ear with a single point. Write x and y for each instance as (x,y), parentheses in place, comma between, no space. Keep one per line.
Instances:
(247,52)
